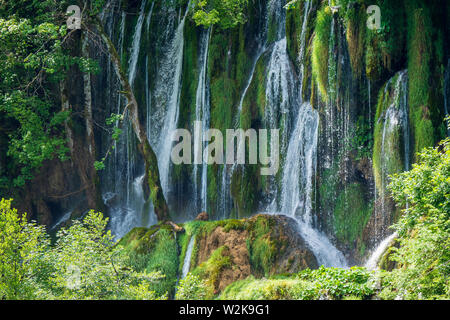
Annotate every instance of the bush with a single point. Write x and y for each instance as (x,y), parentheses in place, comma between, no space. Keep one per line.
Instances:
(191,288)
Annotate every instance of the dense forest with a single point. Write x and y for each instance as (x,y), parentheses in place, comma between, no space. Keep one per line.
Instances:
(352,95)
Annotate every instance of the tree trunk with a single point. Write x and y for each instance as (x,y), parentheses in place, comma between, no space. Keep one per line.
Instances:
(151,163)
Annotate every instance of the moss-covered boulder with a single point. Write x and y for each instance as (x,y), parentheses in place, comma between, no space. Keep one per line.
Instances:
(231,250)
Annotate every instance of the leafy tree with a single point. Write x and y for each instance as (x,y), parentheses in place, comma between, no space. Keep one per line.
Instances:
(424,229)
(84,263)
(21,246)
(224,13)
(34,55)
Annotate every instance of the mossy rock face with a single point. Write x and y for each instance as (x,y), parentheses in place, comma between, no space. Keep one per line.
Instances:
(351,214)
(356,29)
(425,110)
(386,261)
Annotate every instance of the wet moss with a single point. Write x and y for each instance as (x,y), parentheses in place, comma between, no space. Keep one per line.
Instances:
(356,29)
(212,268)
(261,246)
(351,214)
(419,67)
(154,249)
(321,50)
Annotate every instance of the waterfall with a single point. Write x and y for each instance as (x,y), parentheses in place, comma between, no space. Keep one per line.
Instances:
(202,114)
(124,195)
(168,92)
(187,258)
(283,93)
(297,183)
(372,262)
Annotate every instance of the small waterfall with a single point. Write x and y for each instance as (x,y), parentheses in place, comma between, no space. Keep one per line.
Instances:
(225,200)
(202,114)
(375,257)
(187,258)
(65,217)
(396,118)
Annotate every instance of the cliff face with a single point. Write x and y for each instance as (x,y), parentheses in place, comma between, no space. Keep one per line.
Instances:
(362,100)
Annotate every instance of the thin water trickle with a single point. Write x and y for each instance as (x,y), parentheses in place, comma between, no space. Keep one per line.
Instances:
(187,257)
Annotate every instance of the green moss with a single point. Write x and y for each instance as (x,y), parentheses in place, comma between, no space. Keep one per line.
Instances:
(419,71)
(356,29)
(252,289)
(351,214)
(164,258)
(260,245)
(213,267)
(320,51)
(154,249)
(139,240)
(294,21)
(245,189)
(212,189)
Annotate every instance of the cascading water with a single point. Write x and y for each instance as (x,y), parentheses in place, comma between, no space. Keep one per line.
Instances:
(124,194)
(168,94)
(283,92)
(136,44)
(202,114)
(297,186)
(373,261)
(187,258)
(396,119)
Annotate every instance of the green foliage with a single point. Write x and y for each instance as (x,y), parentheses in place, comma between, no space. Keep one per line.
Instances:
(35,59)
(21,245)
(338,283)
(191,288)
(212,268)
(84,263)
(424,229)
(331,283)
(224,13)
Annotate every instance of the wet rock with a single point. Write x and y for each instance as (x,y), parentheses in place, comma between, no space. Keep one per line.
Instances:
(203,216)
